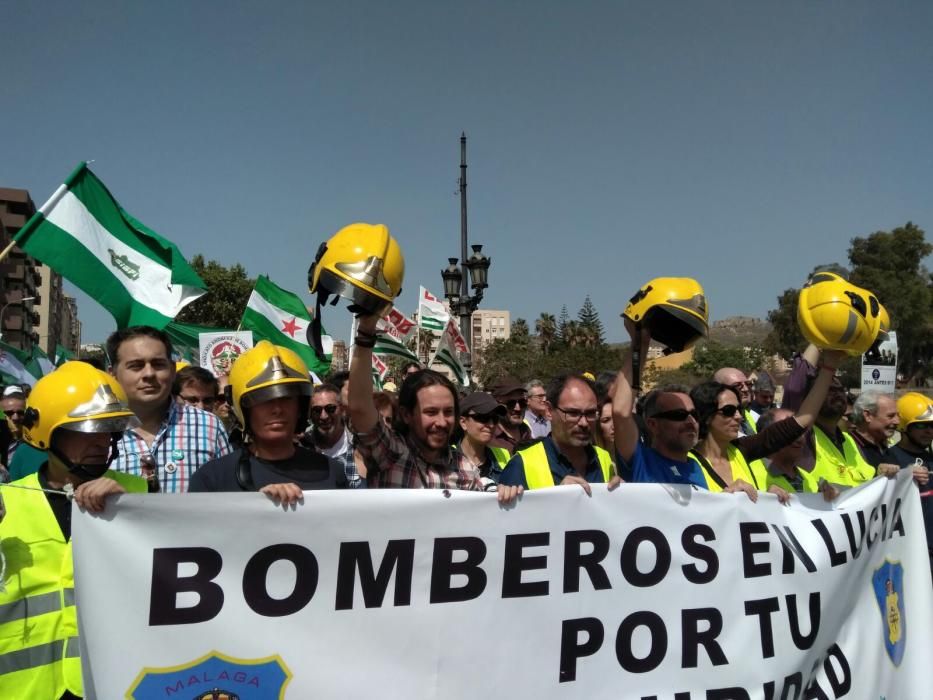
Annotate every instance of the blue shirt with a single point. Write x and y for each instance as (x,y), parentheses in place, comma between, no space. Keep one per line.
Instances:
(514,473)
(650,467)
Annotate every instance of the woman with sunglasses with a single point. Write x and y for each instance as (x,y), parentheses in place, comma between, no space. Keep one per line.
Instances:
(480,413)
(725,458)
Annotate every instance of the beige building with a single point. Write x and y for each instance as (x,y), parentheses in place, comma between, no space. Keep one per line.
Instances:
(488,325)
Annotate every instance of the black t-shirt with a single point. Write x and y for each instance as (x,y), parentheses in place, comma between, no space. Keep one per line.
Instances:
(310,470)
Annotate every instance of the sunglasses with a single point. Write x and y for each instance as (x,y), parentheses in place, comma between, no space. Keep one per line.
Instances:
(485,418)
(728,411)
(331,409)
(17,412)
(678,415)
(508,403)
(207,401)
(738,385)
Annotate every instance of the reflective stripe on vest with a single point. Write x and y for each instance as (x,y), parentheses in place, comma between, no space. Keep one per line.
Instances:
(750,421)
(38,656)
(847,468)
(34,605)
(538,470)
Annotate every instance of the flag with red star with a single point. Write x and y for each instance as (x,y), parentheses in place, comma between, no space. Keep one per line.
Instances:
(279,316)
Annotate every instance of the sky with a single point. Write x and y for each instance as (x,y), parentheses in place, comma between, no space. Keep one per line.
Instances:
(739,143)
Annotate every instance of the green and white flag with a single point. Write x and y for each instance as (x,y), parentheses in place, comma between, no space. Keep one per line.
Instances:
(39,363)
(13,366)
(62,355)
(432,314)
(83,234)
(279,316)
(387,345)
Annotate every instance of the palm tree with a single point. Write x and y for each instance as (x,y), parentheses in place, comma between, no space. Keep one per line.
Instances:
(572,335)
(546,328)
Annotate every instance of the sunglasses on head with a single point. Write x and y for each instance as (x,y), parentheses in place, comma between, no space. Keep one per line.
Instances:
(677,415)
(728,411)
(331,409)
(486,418)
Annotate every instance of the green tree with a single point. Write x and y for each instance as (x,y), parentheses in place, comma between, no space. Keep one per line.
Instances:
(562,322)
(546,328)
(228,289)
(890,264)
(519,328)
(588,318)
(711,356)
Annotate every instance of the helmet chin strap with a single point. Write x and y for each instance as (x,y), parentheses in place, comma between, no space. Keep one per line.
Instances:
(87,472)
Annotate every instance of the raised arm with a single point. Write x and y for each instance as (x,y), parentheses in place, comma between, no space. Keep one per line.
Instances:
(363,413)
(810,407)
(623,402)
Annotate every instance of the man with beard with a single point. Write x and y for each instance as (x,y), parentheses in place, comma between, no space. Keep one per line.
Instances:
(671,422)
(567,456)
(328,433)
(417,452)
(874,422)
(74,416)
(829,453)
(512,433)
(735,378)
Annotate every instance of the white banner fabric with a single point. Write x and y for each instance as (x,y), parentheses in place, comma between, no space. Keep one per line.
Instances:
(646,592)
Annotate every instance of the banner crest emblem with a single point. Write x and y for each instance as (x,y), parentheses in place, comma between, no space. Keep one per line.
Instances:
(888,584)
(214,675)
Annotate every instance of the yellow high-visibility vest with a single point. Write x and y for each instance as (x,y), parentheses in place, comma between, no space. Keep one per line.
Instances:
(501,455)
(847,468)
(538,470)
(740,469)
(38,625)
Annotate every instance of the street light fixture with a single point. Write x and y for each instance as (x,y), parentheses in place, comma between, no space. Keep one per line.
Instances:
(456,279)
(9,303)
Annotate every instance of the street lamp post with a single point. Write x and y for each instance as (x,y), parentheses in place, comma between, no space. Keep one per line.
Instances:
(9,303)
(457,284)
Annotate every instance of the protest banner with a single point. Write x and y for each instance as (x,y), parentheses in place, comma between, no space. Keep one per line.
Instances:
(648,592)
(218,351)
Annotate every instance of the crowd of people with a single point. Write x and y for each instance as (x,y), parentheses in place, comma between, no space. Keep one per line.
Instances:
(147,426)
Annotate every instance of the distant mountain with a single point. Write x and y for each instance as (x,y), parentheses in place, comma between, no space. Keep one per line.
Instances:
(740,331)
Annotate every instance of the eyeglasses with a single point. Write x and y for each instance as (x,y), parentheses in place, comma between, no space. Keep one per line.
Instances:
(574,415)
(738,385)
(206,401)
(677,415)
(536,396)
(16,412)
(508,403)
(728,411)
(331,409)
(485,418)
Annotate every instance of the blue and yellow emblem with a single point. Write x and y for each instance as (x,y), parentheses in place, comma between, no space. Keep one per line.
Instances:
(214,676)
(888,582)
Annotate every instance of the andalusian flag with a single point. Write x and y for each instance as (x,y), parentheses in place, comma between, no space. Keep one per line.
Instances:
(13,368)
(83,234)
(62,355)
(39,363)
(432,314)
(387,345)
(279,316)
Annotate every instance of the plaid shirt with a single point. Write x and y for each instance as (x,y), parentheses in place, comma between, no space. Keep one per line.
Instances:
(187,439)
(399,464)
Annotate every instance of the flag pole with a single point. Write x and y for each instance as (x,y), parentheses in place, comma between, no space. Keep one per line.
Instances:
(6,251)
